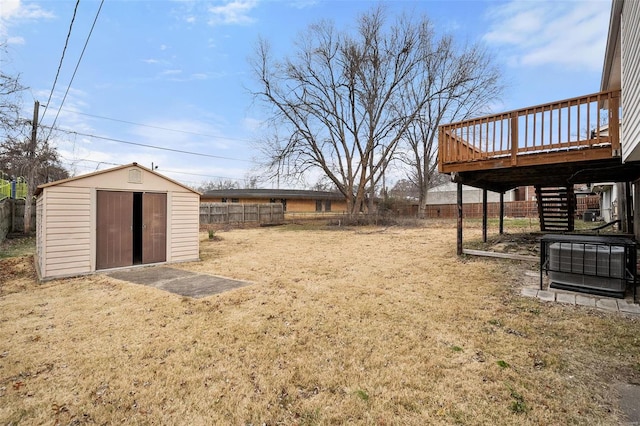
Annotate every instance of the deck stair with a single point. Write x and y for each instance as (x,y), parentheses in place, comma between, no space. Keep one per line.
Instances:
(556,208)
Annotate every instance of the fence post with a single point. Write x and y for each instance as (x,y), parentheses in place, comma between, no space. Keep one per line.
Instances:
(13,215)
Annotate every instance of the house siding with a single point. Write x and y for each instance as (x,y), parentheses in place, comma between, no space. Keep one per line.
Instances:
(630,55)
(309,206)
(65,244)
(184,227)
(294,205)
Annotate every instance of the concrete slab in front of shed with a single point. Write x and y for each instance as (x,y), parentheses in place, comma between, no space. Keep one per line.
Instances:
(629,397)
(177,281)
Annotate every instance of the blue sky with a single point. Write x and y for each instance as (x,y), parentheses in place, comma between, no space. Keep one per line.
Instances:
(179,69)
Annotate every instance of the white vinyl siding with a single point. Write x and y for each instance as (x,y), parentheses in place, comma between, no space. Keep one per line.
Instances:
(39,232)
(66,233)
(630,56)
(67,213)
(184,223)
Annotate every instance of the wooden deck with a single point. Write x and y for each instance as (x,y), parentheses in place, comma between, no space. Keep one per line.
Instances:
(569,141)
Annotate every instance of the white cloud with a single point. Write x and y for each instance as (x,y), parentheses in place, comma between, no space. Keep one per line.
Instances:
(569,34)
(252,124)
(171,72)
(232,12)
(303,4)
(14,9)
(15,40)
(9,7)
(13,12)
(190,134)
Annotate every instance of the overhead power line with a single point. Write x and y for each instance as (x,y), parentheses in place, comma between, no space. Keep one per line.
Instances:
(162,128)
(163,170)
(200,154)
(66,43)
(76,68)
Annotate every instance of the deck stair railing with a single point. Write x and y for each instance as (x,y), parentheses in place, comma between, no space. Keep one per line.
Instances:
(586,122)
(556,209)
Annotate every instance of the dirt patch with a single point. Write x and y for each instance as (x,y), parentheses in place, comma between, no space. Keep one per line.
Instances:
(17,274)
(343,325)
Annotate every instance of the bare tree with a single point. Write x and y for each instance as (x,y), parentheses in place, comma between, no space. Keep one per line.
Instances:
(404,189)
(218,184)
(10,98)
(22,154)
(251,181)
(339,99)
(459,83)
(37,163)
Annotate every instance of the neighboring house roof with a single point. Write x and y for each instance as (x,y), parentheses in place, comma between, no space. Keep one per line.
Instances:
(273,193)
(451,187)
(445,187)
(71,179)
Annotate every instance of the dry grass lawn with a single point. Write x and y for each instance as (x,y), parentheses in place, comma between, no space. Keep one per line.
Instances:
(363,326)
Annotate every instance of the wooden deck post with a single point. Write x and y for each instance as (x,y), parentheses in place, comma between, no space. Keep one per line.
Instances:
(459,239)
(484,215)
(614,124)
(514,138)
(501,213)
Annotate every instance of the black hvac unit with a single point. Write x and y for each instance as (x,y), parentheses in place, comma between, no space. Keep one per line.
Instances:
(601,265)
(590,215)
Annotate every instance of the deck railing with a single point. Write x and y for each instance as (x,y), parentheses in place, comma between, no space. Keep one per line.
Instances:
(591,121)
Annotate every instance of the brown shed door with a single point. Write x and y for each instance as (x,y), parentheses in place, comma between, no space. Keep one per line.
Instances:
(114,236)
(154,228)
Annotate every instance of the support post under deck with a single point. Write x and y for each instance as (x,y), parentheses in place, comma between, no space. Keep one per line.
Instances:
(501,213)
(459,239)
(484,215)
(629,207)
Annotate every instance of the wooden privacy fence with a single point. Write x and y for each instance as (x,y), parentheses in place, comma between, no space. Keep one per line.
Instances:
(12,217)
(221,213)
(511,209)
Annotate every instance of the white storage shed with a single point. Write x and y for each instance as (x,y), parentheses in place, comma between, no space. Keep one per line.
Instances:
(120,217)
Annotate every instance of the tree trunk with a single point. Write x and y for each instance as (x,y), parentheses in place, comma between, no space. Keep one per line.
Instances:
(422,199)
(422,207)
